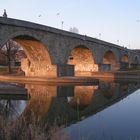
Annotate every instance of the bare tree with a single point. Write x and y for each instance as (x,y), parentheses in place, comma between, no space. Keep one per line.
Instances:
(9,50)
(74,30)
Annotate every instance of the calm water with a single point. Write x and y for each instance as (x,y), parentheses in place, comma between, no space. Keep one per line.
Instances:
(109,111)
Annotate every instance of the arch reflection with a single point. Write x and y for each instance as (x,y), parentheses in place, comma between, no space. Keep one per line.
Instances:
(65,104)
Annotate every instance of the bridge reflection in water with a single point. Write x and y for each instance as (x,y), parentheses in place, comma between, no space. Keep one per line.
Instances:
(63,104)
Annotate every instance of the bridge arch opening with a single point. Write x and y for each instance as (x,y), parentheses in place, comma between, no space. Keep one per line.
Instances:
(136,60)
(124,64)
(109,61)
(124,58)
(37,61)
(82,59)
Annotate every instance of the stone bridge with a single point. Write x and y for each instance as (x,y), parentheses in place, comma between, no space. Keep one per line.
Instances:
(54,52)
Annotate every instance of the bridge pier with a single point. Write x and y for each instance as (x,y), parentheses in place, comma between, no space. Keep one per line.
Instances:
(104,67)
(124,65)
(65,70)
(37,68)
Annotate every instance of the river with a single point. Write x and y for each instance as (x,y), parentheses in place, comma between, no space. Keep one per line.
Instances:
(104,111)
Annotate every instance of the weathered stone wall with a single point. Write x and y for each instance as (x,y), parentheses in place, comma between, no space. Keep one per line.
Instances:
(82,59)
(38,62)
(65,70)
(38,69)
(59,44)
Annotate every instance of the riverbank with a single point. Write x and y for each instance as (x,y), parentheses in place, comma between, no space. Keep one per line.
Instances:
(19,129)
(48,80)
(118,75)
(94,78)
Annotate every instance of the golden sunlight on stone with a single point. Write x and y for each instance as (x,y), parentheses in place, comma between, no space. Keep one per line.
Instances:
(82,59)
(40,100)
(38,61)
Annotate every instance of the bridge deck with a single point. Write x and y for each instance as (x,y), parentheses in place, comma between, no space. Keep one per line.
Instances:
(31,25)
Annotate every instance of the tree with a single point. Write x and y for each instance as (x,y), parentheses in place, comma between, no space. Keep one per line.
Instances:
(74,30)
(9,50)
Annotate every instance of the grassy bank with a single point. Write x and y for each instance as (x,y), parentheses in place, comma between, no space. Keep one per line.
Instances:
(20,130)
(3,70)
(15,71)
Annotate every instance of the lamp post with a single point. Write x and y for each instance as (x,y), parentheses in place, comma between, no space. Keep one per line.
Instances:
(62,23)
(100,35)
(5,14)
(118,42)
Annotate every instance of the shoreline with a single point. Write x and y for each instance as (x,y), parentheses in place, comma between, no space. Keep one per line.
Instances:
(93,79)
(49,80)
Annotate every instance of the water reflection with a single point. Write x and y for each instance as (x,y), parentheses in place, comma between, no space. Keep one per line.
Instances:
(41,99)
(12,100)
(61,104)
(118,122)
(82,97)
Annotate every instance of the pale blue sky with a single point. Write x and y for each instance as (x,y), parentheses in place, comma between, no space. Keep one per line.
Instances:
(114,19)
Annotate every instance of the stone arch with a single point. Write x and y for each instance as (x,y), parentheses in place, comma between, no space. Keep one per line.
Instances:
(109,61)
(38,62)
(124,62)
(135,62)
(81,57)
(125,58)
(109,57)
(136,59)
(24,33)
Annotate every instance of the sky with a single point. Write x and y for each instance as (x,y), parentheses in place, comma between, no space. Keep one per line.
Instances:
(115,21)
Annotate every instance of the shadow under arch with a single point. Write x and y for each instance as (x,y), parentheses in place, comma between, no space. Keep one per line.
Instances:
(135,62)
(82,58)
(39,60)
(109,60)
(48,107)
